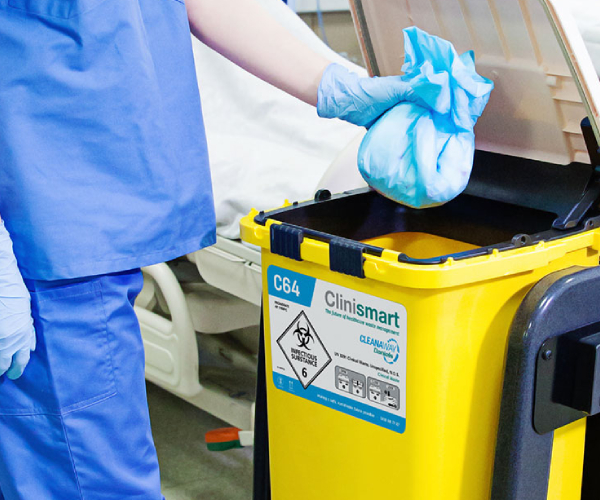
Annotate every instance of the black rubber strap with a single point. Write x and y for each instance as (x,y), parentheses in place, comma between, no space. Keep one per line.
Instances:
(347,257)
(286,241)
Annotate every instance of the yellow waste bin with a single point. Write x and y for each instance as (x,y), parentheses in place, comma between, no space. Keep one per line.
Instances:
(386,329)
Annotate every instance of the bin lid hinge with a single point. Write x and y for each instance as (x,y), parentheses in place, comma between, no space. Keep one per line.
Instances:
(591,194)
(347,257)
(286,240)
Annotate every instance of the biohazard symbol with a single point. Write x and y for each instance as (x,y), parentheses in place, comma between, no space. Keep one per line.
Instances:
(303,336)
(303,350)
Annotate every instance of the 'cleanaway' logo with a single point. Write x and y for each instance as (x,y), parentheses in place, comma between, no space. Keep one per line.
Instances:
(390,350)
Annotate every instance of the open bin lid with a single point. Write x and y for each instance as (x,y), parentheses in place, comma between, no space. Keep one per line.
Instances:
(545,81)
(537,141)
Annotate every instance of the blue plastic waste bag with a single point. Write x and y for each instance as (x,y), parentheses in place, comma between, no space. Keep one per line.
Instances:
(420,152)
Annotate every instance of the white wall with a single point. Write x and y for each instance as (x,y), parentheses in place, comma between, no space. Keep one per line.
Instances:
(326,5)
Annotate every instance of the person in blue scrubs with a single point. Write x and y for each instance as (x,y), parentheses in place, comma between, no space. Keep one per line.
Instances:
(103,170)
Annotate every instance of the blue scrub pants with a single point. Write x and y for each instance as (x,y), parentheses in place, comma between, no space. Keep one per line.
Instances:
(75,426)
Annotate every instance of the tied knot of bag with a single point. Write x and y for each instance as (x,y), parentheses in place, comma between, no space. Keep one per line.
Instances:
(420,152)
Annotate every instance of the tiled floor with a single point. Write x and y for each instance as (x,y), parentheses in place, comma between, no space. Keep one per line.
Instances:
(189,471)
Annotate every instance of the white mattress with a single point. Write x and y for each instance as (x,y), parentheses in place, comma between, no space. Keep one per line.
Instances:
(264,145)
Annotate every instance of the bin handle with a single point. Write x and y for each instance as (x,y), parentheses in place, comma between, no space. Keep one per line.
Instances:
(523,456)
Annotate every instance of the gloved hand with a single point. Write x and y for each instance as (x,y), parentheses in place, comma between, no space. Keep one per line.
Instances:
(17,336)
(343,94)
(420,153)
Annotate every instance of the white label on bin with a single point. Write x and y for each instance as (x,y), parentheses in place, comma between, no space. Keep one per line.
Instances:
(338,347)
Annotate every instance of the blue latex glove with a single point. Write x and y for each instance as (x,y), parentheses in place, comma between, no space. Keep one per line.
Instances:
(343,94)
(17,336)
(420,153)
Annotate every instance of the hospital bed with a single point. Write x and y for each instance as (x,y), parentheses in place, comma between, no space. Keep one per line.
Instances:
(199,315)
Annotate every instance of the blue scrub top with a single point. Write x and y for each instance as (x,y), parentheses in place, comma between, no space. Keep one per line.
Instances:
(103,158)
